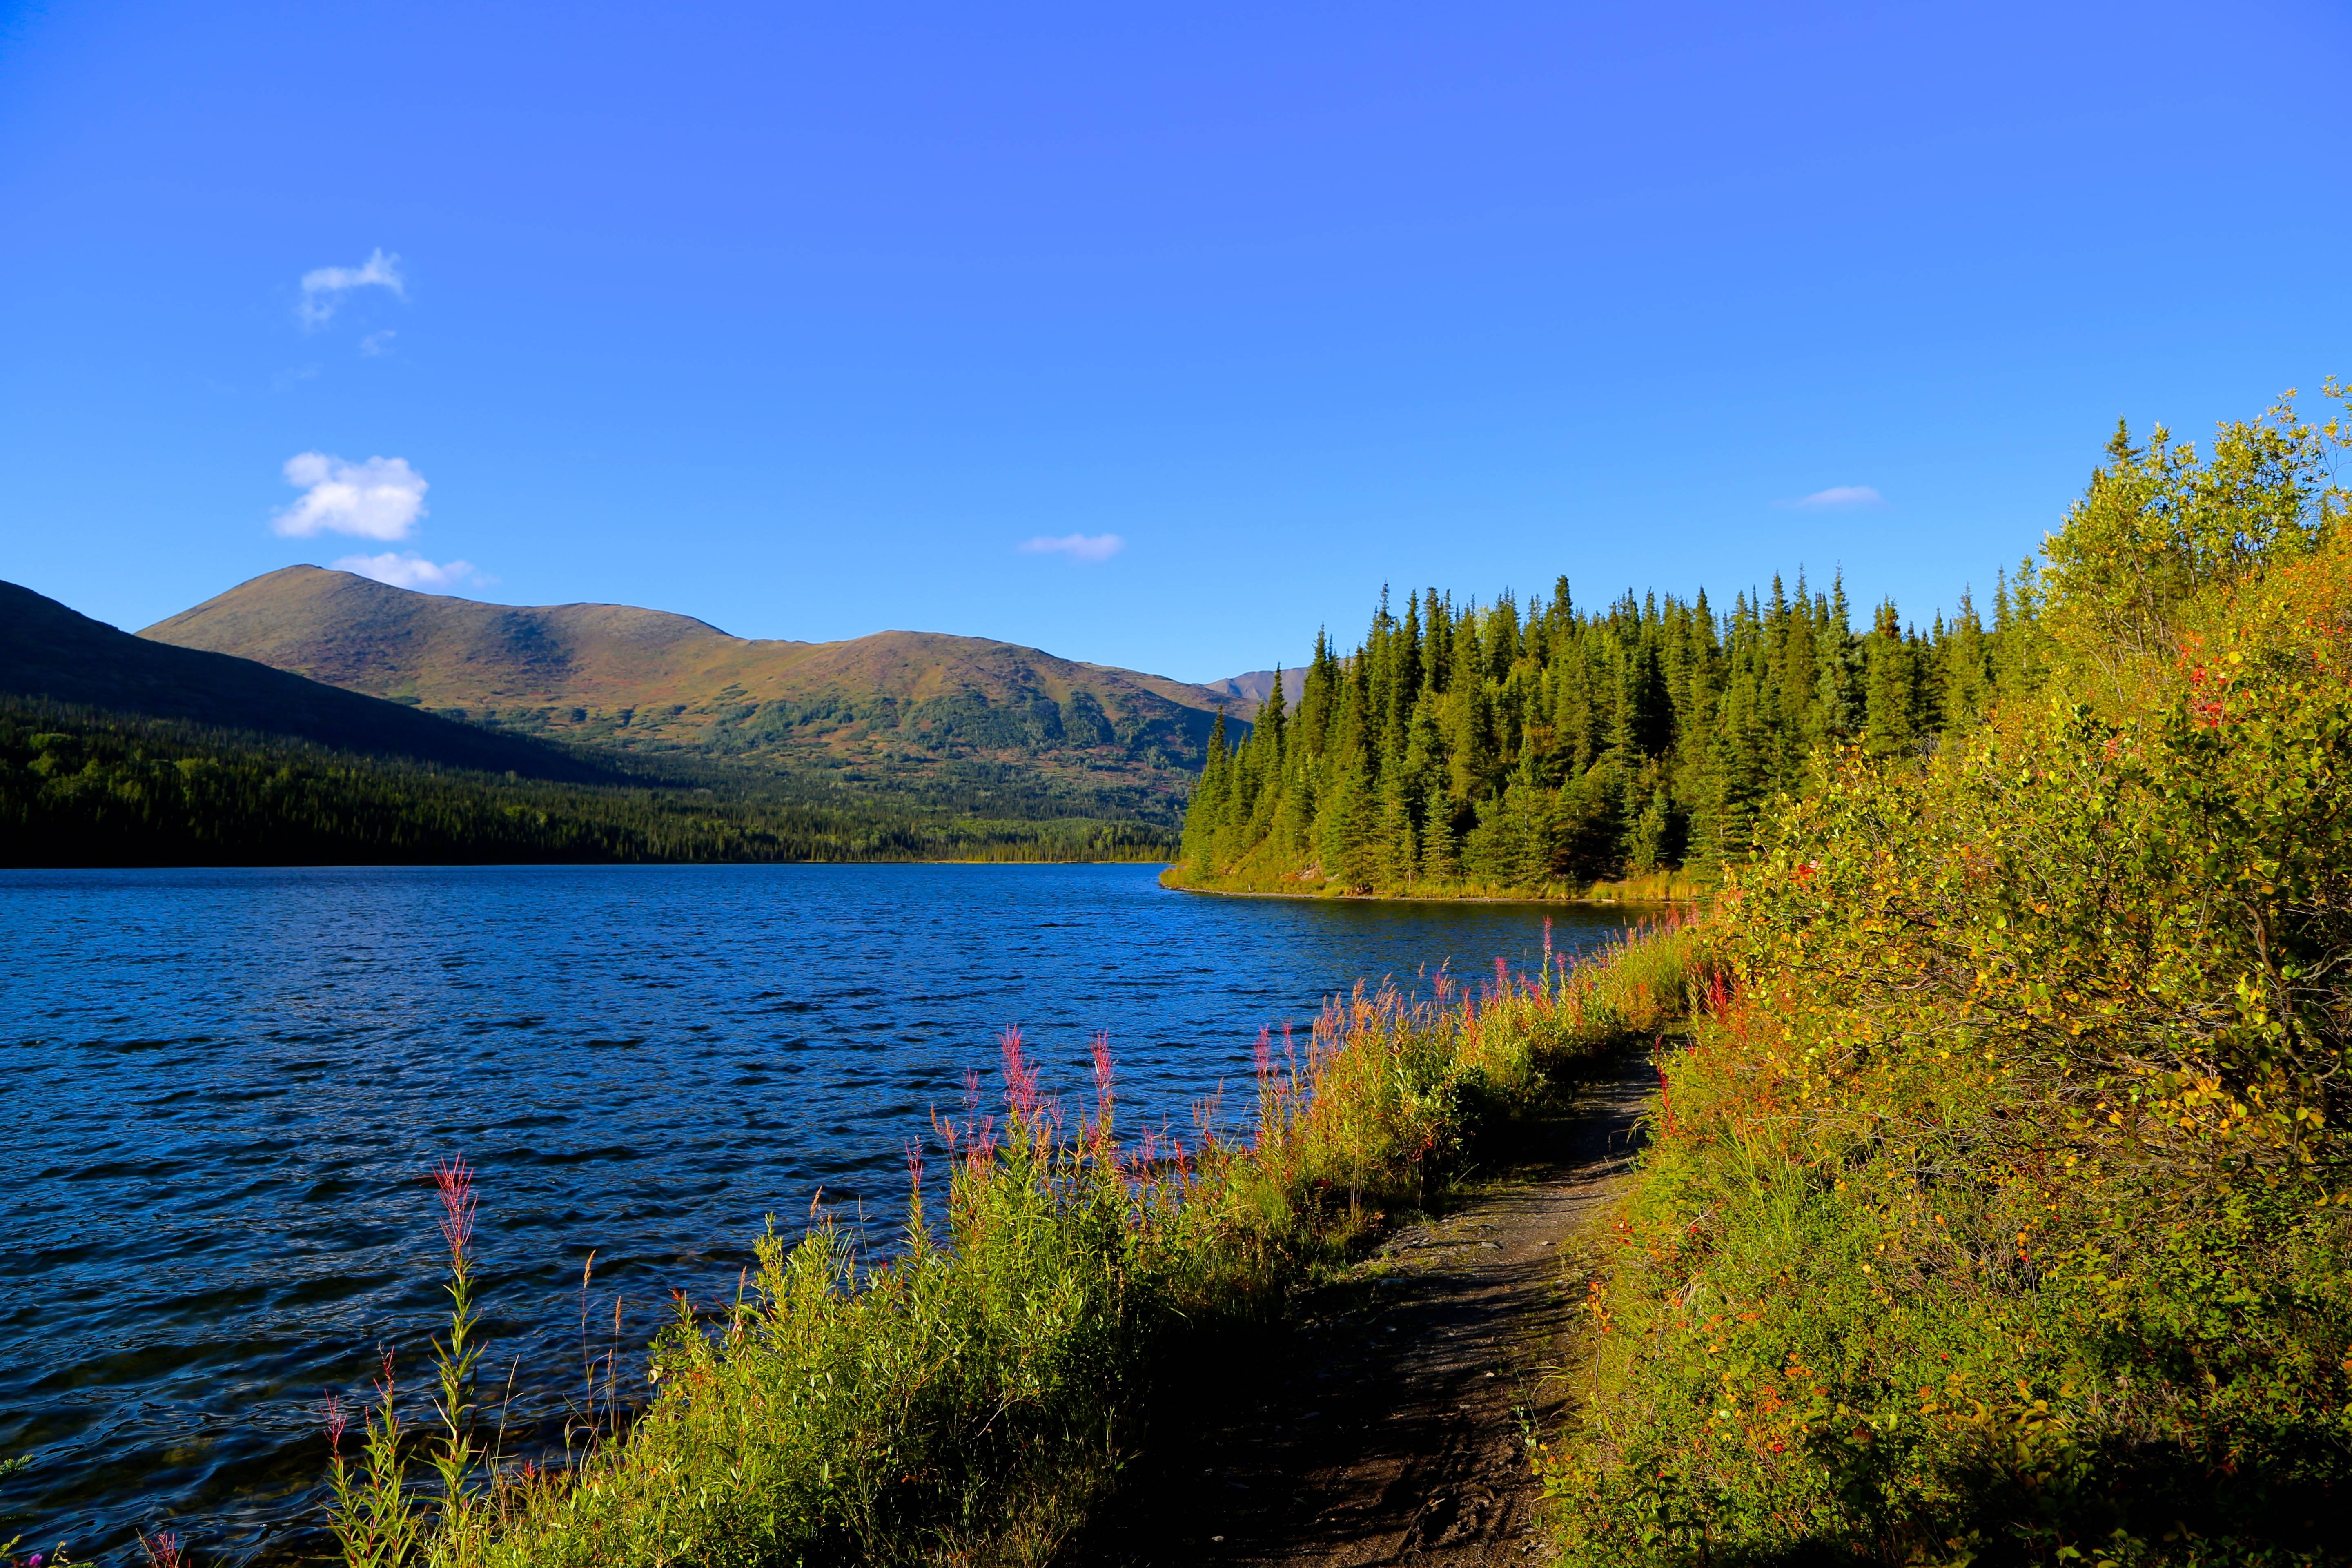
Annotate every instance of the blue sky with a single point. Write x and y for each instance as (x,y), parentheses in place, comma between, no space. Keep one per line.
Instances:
(807,320)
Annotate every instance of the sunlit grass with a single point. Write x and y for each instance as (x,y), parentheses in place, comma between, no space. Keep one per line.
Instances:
(970,1396)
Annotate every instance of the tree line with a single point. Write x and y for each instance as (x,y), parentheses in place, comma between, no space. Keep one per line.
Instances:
(1466,747)
(79,787)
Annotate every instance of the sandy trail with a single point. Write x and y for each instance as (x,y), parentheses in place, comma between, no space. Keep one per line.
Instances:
(1390,1426)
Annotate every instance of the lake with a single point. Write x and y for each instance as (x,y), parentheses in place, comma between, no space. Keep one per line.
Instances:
(225,1091)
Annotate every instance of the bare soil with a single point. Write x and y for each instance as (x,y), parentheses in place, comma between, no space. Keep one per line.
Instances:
(1392,1424)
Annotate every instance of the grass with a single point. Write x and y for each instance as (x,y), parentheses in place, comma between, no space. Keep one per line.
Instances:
(971,1396)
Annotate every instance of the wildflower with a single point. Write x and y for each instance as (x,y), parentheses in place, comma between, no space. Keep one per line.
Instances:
(1099,1048)
(1020,1075)
(455,1179)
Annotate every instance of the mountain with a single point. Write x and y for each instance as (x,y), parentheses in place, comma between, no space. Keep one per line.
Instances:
(52,653)
(1246,690)
(894,711)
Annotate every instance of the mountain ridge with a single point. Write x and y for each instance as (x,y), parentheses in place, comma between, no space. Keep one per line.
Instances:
(51,652)
(1253,687)
(869,711)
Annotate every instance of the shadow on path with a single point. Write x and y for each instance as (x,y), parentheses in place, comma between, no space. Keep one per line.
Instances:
(1390,1426)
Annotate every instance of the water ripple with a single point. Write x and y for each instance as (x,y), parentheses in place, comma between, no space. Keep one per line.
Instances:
(225,1087)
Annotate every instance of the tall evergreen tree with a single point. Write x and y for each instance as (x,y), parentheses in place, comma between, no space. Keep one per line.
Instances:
(1498,747)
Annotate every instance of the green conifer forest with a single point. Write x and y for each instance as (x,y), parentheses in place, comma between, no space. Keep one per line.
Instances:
(1496,749)
(81,787)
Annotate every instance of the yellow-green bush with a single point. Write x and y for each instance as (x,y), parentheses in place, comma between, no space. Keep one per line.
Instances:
(1997,1210)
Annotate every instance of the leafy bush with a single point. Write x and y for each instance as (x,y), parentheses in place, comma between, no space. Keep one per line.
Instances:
(1997,1210)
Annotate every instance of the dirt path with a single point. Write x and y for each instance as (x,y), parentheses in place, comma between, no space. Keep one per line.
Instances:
(1392,1424)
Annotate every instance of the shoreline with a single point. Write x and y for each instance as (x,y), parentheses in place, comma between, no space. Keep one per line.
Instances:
(1432,897)
(1426,897)
(519,864)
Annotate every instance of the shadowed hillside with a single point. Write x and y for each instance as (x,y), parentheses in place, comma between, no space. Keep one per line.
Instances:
(82,787)
(53,653)
(891,712)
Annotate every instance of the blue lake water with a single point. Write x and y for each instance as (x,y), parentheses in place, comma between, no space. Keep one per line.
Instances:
(224,1092)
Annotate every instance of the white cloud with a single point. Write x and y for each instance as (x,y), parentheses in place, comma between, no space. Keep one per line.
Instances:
(323,288)
(406,569)
(376,343)
(1838,497)
(380,499)
(1076,546)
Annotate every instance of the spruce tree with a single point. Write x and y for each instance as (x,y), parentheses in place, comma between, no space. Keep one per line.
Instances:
(1889,704)
(1508,748)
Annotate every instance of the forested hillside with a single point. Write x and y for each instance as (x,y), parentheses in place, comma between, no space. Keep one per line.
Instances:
(1488,748)
(79,787)
(895,716)
(50,653)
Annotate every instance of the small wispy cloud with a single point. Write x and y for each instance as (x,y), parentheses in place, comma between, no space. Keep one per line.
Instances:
(1837,498)
(406,569)
(380,499)
(323,288)
(1076,546)
(376,343)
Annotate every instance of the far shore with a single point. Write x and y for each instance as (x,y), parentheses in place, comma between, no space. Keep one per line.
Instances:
(1655,890)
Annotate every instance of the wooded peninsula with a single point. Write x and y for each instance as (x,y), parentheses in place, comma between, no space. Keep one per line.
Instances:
(1497,751)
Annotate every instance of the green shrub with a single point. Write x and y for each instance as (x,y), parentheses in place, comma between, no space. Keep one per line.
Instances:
(1997,1210)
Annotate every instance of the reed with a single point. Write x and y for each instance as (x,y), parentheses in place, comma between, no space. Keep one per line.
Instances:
(970,1396)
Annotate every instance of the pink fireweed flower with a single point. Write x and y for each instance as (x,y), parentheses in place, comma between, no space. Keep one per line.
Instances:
(1099,1048)
(455,1178)
(980,1147)
(1019,1074)
(336,1423)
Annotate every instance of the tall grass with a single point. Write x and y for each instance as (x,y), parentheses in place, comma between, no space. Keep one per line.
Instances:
(970,1397)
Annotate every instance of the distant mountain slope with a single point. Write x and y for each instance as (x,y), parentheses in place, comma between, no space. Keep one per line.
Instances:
(48,651)
(1248,690)
(896,709)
